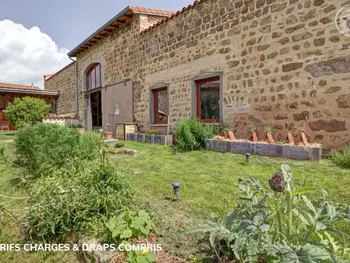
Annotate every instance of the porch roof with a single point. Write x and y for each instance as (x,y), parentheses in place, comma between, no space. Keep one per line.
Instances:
(30,90)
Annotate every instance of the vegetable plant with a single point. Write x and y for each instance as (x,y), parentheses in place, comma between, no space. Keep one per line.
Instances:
(280,226)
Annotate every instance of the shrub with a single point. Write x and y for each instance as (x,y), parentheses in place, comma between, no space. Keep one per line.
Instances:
(342,159)
(280,226)
(119,145)
(66,204)
(191,134)
(27,110)
(45,144)
(90,145)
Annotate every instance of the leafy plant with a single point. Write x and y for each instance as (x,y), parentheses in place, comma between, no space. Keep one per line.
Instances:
(191,134)
(252,128)
(90,144)
(119,145)
(280,226)
(129,225)
(224,127)
(45,144)
(27,111)
(267,129)
(141,257)
(63,206)
(342,159)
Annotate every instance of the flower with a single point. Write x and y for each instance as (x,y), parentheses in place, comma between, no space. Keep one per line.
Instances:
(277,182)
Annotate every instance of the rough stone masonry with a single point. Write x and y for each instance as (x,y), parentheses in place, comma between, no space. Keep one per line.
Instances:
(284,65)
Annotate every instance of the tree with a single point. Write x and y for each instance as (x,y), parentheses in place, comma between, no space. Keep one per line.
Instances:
(27,110)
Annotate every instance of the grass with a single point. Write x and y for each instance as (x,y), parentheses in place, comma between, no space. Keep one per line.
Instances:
(208,178)
(5,136)
(207,186)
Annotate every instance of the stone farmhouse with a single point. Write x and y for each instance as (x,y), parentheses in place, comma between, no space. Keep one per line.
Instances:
(269,63)
(8,93)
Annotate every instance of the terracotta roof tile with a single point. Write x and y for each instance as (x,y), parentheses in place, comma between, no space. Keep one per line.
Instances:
(22,87)
(140,9)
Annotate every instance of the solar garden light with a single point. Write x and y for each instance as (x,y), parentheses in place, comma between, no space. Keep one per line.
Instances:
(247,157)
(176,187)
(175,150)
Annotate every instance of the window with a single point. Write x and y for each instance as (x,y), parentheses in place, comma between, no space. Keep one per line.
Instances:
(160,105)
(208,99)
(93,77)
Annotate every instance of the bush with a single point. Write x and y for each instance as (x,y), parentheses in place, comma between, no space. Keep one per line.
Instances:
(45,144)
(191,134)
(69,202)
(281,225)
(27,110)
(90,145)
(342,159)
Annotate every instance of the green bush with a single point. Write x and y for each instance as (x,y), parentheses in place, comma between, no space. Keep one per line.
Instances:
(27,110)
(45,144)
(342,159)
(90,145)
(68,203)
(191,134)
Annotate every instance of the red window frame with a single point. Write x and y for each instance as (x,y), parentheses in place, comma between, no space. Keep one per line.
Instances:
(198,98)
(93,72)
(155,106)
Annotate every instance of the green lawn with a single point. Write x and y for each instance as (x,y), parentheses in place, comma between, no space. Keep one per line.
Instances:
(4,136)
(207,186)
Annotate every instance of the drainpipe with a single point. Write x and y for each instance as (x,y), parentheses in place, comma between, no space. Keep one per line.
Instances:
(76,86)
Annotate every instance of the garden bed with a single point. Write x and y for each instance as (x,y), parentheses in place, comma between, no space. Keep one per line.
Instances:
(312,153)
(150,138)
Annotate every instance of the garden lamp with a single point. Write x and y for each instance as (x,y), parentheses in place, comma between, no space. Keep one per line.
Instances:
(176,187)
(247,157)
(175,150)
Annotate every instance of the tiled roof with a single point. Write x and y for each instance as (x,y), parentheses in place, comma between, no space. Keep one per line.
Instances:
(117,21)
(24,88)
(152,11)
(174,15)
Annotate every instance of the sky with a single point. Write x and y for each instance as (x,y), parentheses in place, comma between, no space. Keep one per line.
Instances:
(36,35)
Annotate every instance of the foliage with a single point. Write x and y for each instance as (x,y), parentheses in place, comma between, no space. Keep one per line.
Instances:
(65,205)
(223,127)
(130,225)
(141,257)
(90,145)
(119,144)
(191,134)
(27,110)
(342,159)
(75,126)
(45,144)
(281,226)
(252,128)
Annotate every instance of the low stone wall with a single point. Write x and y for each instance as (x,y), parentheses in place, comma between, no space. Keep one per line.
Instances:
(150,138)
(272,150)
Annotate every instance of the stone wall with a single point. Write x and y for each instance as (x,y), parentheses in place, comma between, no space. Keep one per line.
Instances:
(64,81)
(283,63)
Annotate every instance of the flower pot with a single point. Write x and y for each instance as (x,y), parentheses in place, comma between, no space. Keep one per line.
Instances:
(107,135)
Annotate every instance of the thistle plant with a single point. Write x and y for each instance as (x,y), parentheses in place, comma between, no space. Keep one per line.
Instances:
(280,226)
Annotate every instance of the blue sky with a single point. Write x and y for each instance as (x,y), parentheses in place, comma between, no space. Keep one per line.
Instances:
(69,22)
(36,35)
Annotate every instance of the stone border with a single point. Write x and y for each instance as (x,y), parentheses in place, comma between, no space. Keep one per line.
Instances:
(150,138)
(272,150)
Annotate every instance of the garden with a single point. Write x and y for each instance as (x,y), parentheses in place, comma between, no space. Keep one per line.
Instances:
(61,187)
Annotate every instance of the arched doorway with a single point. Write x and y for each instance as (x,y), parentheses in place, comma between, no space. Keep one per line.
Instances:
(93,81)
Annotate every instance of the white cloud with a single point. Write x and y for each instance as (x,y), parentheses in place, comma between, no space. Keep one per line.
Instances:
(26,55)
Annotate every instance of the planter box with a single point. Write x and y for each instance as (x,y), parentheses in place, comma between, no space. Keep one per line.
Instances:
(271,150)
(150,138)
